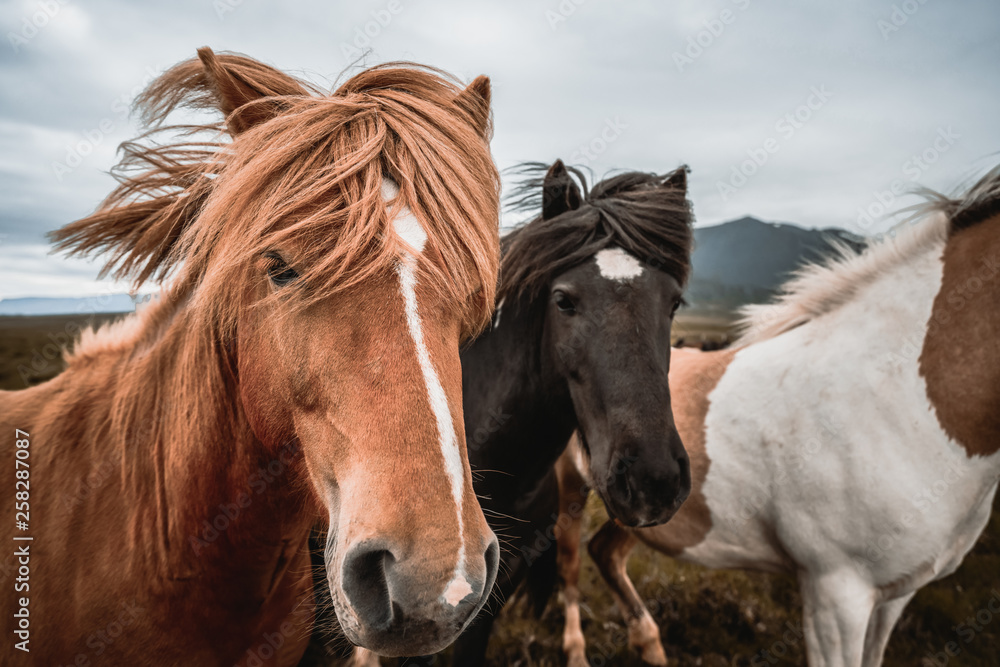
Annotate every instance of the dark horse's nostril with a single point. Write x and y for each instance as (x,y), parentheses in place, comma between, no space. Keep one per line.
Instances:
(684,488)
(622,486)
(365,582)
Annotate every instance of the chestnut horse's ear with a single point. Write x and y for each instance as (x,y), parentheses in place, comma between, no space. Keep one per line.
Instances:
(677,179)
(559,192)
(474,101)
(237,81)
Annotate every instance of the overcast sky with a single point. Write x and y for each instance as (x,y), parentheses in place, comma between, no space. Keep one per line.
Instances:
(804,112)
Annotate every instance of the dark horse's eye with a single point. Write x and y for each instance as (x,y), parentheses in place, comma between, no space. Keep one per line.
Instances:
(564,303)
(280,273)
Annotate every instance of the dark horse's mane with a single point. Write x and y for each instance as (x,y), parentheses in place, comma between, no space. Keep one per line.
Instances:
(636,211)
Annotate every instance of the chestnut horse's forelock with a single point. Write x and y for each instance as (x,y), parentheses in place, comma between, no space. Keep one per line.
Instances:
(305,167)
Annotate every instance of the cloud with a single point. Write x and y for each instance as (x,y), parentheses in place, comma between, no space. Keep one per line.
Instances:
(562,70)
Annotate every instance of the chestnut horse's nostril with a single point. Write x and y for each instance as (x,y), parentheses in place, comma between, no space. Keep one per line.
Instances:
(492,558)
(366,584)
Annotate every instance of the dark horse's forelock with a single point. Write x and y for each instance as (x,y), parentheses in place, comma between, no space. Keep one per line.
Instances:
(636,211)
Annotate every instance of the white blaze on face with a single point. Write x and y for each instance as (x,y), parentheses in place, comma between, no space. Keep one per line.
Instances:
(616,264)
(412,232)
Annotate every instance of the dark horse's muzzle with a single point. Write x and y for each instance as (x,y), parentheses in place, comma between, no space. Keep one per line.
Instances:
(646,485)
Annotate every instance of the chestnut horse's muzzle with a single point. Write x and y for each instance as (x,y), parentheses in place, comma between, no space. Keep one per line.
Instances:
(404,606)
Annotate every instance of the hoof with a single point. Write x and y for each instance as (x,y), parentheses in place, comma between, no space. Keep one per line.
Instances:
(652,654)
(577,659)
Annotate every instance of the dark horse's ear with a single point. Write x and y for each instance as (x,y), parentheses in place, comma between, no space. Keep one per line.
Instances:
(559,192)
(677,179)
(237,81)
(474,102)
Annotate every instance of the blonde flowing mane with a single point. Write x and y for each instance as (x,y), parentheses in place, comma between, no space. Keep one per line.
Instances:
(300,166)
(817,289)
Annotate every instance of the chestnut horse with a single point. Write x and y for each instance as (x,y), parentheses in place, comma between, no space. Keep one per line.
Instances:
(851,437)
(324,266)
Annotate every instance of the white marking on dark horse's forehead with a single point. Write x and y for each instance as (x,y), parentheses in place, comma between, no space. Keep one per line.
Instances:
(405,223)
(617,264)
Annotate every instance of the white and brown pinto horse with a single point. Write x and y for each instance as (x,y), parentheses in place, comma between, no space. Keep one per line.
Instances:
(850,437)
(324,267)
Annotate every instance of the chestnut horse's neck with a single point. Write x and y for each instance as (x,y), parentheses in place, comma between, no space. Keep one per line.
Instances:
(193,477)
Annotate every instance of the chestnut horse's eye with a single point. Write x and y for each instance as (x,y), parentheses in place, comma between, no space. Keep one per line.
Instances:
(279,272)
(564,303)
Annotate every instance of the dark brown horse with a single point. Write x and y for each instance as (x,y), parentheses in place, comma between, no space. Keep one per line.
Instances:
(323,268)
(580,340)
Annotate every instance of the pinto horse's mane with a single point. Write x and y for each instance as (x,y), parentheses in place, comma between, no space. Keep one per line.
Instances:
(302,166)
(820,288)
(632,210)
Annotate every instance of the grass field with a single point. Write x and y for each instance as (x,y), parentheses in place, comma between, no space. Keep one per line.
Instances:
(706,618)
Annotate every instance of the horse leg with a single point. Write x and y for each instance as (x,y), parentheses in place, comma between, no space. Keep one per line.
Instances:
(362,657)
(572,498)
(836,608)
(880,627)
(610,548)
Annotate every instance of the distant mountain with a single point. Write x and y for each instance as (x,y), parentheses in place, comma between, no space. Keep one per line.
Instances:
(735,263)
(108,303)
(746,260)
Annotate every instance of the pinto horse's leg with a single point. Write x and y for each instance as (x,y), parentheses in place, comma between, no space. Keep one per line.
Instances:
(836,608)
(362,657)
(880,627)
(572,499)
(610,548)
